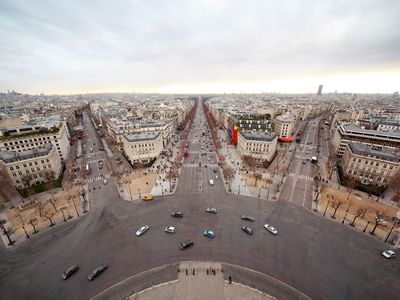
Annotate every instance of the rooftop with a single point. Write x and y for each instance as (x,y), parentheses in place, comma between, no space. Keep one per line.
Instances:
(258,136)
(352,128)
(141,137)
(361,149)
(10,157)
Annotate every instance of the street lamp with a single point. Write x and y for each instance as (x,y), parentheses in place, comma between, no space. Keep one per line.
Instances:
(139,193)
(129,186)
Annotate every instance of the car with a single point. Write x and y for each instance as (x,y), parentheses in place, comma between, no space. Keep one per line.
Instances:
(215,171)
(186,244)
(211,210)
(247,218)
(105,181)
(216,177)
(170,229)
(142,230)
(69,272)
(97,271)
(271,229)
(209,233)
(177,214)
(211,182)
(303,162)
(248,230)
(389,254)
(148,197)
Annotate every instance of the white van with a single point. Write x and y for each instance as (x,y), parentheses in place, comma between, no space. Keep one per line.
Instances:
(211,182)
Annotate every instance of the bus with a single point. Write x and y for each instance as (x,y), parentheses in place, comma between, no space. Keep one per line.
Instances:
(87,168)
(314,160)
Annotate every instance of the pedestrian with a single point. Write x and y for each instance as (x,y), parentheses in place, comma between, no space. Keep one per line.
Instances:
(193,271)
(230,279)
(207,271)
(186,271)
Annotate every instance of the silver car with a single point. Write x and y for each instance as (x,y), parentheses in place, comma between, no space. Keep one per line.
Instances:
(271,229)
(142,230)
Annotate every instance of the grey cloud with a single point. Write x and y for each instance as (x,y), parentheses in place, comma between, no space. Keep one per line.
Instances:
(91,44)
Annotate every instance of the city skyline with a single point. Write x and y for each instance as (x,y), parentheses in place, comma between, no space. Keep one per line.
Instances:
(202,47)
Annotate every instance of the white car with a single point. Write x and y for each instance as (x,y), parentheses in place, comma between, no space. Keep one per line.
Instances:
(142,230)
(211,182)
(211,210)
(389,253)
(170,229)
(216,177)
(271,229)
(105,181)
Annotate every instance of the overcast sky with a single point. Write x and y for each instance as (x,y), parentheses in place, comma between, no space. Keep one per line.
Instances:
(199,46)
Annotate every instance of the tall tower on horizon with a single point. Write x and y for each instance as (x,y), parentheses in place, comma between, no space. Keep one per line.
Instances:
(319,93)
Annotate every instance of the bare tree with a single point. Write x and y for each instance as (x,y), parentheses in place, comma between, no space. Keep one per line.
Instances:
(336,204)
(53,203)
(257,177)
(33,223)
(49,216)
(26,180)
(319,188)
(360,212)
(379,219)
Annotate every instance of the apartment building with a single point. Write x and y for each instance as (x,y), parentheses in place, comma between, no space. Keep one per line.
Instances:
(369,164)
(260,146)
(284,126)
(31,166)
(389,125)
(36,133)
(252,121)
(132,126)
(347,132)
(142,148)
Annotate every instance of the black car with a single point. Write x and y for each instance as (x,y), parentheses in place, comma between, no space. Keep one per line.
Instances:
(186,244)
(248,230)
(247,218)
(69,272)
(97,271)
(177,214)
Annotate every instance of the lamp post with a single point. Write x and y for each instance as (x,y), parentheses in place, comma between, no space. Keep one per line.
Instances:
(239,190)
(259,192)
(139,193)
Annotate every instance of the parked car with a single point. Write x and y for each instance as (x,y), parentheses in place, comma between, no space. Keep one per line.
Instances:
(142,230)
(216,177)
(215,171)
(97,271)
(389,254)
(271,229)
(209,233)
(105,181)
(211,182)
(177,214)
(170,229)
(186,244)
(248,230)
(247,218)
(70,271)
(211,210)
